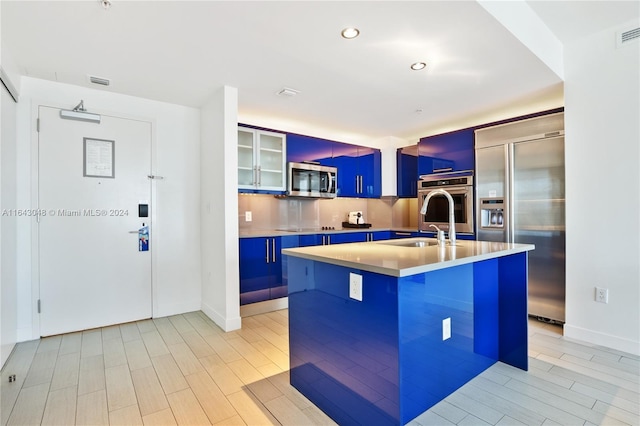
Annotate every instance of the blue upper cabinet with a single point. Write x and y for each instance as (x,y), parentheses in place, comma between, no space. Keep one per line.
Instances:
(359,168)
(306,148)
(448,152)
(359,171)
(407,171)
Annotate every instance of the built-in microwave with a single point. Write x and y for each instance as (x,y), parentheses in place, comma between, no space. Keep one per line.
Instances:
(460,186)
(311,180)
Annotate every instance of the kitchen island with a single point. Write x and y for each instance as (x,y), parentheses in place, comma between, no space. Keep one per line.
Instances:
(423,321)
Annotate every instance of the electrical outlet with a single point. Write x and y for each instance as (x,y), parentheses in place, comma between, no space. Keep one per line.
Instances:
(446,328)
(602,295)
(247,216)
(355,286)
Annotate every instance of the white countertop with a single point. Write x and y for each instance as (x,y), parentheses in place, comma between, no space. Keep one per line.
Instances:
(393,257)
(310,231)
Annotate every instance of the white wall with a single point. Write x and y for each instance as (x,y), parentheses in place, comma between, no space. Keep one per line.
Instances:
(219,209)
(602,149)
(8,226)
(175,199)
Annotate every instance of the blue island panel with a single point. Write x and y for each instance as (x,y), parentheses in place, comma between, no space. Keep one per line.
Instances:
(344,353)
(383,361)
(432,368)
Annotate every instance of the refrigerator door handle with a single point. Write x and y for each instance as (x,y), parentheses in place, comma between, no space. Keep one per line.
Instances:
(509,189)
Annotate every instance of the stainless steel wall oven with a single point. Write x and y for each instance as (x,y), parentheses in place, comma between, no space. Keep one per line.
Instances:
(460,186)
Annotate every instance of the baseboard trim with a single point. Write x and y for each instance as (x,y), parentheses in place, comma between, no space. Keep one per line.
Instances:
(264,307)
(227,324)
(601,339)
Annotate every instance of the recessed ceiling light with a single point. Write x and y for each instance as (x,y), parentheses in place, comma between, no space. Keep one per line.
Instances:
(417,66)
(349,33)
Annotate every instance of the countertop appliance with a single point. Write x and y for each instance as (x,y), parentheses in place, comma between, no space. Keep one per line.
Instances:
(355,218)
(311,180)
(520,198)
(460,186)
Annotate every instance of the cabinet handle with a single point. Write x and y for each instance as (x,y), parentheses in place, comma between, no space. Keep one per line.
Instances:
(404,233)
(273,249)
(259,177)
(255,176)
(328,240)
(267,243)
(444,169)
(323,243)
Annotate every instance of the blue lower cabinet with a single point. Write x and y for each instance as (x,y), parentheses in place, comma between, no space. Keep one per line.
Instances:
(379,235)
(256,274)
(262,276)
(394,235)
(310,240)
(347,237)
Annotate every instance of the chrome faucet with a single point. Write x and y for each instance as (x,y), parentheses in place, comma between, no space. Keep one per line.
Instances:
(452,219)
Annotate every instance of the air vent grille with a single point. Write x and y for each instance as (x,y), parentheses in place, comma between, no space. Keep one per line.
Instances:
(99,80)
(625,37)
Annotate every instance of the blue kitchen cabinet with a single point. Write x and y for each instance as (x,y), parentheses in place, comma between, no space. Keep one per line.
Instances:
(370,171)
(395,235)
(407,171)
(310,240)
(378,235)
(348,237)
(302,148)
(359,168)
(448,152)
(359,171)
(261,268)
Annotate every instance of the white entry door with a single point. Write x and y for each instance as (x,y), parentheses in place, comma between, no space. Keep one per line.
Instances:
(92,178)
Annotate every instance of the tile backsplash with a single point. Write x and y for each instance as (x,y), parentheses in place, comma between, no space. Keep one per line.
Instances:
(269,212)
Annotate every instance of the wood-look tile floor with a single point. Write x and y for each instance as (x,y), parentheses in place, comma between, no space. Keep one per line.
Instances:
(185,370)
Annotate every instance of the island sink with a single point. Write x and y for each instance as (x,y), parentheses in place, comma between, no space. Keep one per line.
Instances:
(414,242)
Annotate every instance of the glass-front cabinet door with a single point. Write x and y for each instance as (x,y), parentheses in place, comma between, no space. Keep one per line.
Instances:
(261,160)
(246,158)
(271,161)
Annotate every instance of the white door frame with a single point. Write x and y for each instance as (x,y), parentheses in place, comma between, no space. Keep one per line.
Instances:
(35,237)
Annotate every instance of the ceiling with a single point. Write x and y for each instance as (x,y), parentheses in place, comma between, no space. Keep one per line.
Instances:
(359,90)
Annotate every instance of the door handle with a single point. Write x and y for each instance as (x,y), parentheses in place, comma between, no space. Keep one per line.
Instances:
(267,243)
(273,250)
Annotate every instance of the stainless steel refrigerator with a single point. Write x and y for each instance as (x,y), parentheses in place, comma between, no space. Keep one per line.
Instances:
(520,198)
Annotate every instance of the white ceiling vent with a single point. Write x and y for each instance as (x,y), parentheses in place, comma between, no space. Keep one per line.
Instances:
(99,80)
(628,36)
(288,92)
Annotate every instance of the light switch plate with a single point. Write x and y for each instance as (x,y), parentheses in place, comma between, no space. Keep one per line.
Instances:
(247,216)
(355,286)
(446,328)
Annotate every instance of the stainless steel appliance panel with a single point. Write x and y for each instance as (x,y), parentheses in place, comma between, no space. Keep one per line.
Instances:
(492,183)
(527,174)
(538,204)
(311,180)
(460,187)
